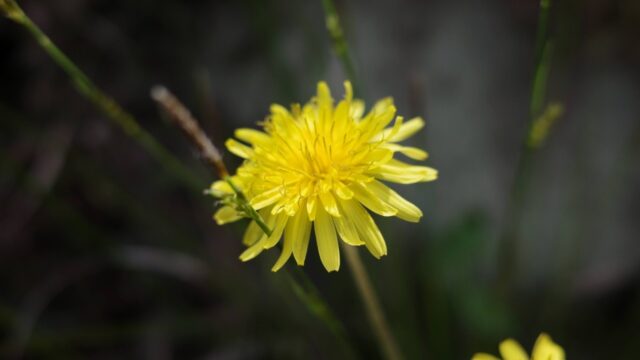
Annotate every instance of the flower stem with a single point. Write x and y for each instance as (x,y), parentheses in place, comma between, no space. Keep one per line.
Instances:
(340,45)
(372,304)
(307,292)
(508,257)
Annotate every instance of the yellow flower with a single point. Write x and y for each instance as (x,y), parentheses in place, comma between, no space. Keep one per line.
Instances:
(322,164)
(543,349)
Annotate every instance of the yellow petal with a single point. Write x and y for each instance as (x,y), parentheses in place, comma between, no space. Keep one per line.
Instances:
(385,134)
(253,137)
(324,94)
(255,249)
(341,121)
(226,214)
(276,230)
(347,230)
(511,350)
(341,118)
(406,130)
(266,198)
(377,156)
(348,90)
(278,119)
(372,201)
(378,118)
(546,349)
(381,106)
(484,356)
(325,102)
(287,248)
(221,188)
(326,240)
(312,207)
(357,109)
(297,232)
(239,149)
(343,191)
(399,172)
(252,234)
(406,210)
(409,151)
(329,203)
(367,229)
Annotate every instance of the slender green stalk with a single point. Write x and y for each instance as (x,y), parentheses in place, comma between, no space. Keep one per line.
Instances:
(508,256)
(374,310)
(340,45)
(372,304)
(307,292)
(106,104)
(246,207)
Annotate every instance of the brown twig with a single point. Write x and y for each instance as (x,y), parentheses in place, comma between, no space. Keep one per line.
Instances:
(189,125)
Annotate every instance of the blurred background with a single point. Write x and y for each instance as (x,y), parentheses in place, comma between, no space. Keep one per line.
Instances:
(106,255)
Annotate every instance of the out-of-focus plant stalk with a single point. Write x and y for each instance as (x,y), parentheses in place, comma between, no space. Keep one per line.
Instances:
(339,42)
(508,250)
(300,283)
(542,125)
(209,152)
(373,308)
(109,107)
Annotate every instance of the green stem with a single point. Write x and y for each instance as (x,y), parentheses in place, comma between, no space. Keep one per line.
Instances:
(109,107)
(372,304)
(340,45)
(247,208)
(306,291)
(508,257)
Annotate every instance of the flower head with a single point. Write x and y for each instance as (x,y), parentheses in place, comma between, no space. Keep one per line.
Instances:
(543,349)
(319,166)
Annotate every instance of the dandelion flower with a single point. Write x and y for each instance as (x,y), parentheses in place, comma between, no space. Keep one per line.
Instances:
(320,167)
(543,349)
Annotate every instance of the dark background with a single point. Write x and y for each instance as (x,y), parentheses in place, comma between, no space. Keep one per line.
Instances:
(105,255)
